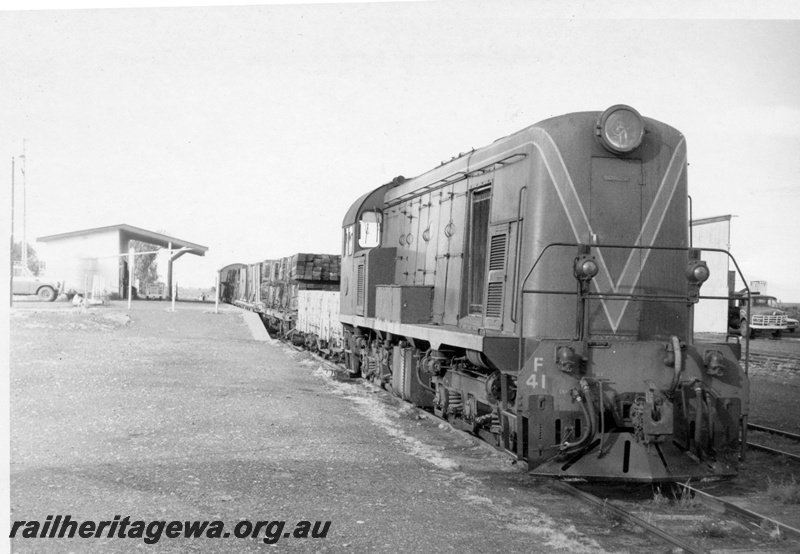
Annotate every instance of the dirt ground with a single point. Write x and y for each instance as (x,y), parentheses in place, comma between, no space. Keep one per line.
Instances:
(165,416)
(183,416)
(774,371)
(775,386)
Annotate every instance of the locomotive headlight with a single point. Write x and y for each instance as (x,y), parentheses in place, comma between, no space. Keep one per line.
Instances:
(620,129)
(697,272)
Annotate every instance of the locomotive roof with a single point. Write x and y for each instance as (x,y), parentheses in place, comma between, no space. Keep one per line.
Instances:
(371,200)
(503,151)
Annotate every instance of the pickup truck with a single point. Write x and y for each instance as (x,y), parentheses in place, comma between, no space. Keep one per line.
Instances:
(765,316)
(25,282)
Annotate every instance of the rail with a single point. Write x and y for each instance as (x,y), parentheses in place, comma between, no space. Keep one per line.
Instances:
(778,433)
(627,516)
(742,513)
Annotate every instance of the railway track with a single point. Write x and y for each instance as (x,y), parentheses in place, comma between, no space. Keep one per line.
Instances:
(727,523)
(712,525)
(790,440)
(771,361)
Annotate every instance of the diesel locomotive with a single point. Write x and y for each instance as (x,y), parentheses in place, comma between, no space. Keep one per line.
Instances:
(539,292)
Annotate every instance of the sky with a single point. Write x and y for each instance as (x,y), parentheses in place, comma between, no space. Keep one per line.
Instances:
(252,129)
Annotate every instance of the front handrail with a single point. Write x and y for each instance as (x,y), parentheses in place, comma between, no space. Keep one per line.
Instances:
(621,296)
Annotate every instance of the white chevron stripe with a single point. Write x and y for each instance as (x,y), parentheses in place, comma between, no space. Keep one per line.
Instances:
(630,275)
(582,229)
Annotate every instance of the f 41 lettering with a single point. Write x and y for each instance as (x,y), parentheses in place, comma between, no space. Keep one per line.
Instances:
(536,377)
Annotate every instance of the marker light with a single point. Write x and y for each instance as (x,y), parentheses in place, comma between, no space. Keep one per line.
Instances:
(585,267)
(567,359)
(697,272)
(715,362)
(620,129)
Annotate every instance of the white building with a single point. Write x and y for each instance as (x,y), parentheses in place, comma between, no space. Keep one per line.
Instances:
(95,261)
(711,316)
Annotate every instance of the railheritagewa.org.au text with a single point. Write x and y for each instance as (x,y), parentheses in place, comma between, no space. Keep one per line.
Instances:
(270,532)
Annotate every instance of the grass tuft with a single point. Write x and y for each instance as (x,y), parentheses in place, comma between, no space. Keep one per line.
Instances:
(712,530)
(784,492)
(659,498)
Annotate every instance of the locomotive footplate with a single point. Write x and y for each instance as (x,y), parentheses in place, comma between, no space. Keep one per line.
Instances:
(557,443)
(624,459)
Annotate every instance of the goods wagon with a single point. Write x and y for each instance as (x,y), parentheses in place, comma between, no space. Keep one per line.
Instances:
(296,296)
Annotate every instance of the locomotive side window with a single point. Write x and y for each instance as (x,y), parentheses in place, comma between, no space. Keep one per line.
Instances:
(369,229)
(478,238)
(347,247)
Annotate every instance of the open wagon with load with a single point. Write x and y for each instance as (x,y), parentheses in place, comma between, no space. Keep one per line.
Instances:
(297,297)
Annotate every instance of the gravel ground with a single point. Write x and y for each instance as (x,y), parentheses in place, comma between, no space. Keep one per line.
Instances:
(774,382)
(775,388)
(163,416)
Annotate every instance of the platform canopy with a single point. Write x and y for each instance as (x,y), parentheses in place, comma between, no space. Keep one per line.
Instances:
(129,232)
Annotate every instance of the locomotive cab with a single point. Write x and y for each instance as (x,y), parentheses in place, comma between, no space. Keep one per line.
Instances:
(365,264)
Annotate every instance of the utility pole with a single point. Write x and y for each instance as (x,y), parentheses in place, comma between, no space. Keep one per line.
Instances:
(24,208)
(11,282)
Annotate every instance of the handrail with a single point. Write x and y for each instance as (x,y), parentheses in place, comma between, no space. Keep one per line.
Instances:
(620,296)
(629,296)
(518,253)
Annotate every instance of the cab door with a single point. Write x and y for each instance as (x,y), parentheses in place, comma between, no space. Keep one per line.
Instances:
(616,219)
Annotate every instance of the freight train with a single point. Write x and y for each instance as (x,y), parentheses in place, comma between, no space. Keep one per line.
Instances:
(539,292)
(297,297)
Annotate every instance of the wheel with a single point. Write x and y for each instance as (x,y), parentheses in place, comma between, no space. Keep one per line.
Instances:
(351,359)
(745,330)
(353,364)
(46,294)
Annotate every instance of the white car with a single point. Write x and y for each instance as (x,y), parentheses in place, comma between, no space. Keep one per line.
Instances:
(25,282)
(791,324)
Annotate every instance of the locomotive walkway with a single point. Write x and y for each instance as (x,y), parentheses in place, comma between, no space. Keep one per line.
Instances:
(184,416)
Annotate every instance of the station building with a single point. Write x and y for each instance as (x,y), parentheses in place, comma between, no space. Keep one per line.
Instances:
(94,262)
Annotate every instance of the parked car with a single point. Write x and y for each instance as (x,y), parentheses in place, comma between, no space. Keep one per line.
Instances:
(765,315)
(25,282)
(791,324)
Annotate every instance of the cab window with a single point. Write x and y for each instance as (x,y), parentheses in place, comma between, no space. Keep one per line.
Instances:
(769,302)
(347,246)
(369,229)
